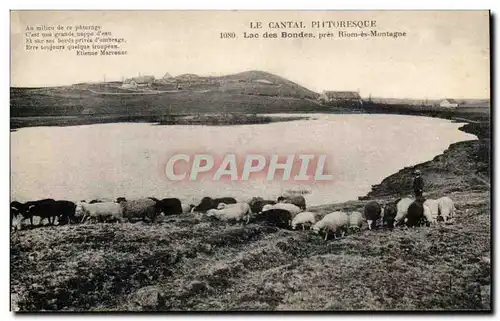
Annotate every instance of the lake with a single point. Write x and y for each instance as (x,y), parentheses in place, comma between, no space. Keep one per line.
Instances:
(128,159)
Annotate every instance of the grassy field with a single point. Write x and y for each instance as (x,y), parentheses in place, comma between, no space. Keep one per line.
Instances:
(191,263)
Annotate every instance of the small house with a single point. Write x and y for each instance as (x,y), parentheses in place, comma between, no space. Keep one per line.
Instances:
(449,103)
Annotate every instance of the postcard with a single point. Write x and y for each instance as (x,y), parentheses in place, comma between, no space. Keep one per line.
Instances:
(250,161)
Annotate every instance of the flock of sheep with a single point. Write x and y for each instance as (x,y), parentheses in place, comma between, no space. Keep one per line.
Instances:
(286,212)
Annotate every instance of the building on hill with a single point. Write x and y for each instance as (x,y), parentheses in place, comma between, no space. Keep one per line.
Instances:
(449,103)
(341,98)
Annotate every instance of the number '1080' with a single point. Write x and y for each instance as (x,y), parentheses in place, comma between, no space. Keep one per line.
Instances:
(227,35)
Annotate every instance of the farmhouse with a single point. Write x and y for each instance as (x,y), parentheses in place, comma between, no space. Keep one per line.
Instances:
(341,98)
(449,103)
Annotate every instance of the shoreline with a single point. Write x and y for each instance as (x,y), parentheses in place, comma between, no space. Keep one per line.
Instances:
(215,119)
(462,156)
(249,115)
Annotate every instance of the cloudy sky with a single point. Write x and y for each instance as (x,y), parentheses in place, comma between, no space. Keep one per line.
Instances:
(445,53)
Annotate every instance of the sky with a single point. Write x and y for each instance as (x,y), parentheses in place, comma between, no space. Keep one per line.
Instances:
(445,53)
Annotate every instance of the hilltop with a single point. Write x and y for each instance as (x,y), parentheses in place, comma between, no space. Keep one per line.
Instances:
(265,82)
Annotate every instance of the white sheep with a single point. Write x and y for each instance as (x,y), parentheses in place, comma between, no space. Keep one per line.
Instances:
(224,205)
(428,214)
(99,211)
(434,210)
(446,208)
(355,221)
(304,218)
(402,206)
(234,212)
(333,222)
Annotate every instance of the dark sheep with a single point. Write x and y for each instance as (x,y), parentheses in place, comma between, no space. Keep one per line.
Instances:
(415,215)
(225,200)
(372,213)
(170,206)
(95,201)
(65,212)
(45,209)
(390,212)
(18,205)
(257,203)
(275,217)
(208,203)
(157,207)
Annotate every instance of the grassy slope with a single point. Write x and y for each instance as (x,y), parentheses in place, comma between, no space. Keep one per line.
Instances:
(463,166)
(200,264)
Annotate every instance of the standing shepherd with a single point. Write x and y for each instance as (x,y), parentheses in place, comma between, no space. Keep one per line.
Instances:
(418,184)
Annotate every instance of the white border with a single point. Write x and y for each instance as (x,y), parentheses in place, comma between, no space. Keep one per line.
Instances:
(184,4)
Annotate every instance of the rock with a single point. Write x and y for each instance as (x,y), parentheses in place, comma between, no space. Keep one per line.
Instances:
(197,287)
(148,298)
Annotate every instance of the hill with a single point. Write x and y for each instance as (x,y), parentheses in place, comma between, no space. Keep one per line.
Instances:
(251,91)
(256,82)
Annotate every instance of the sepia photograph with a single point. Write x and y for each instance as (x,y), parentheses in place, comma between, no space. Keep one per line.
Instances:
(250,161)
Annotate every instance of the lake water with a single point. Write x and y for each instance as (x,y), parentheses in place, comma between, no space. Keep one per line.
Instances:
(111,160)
